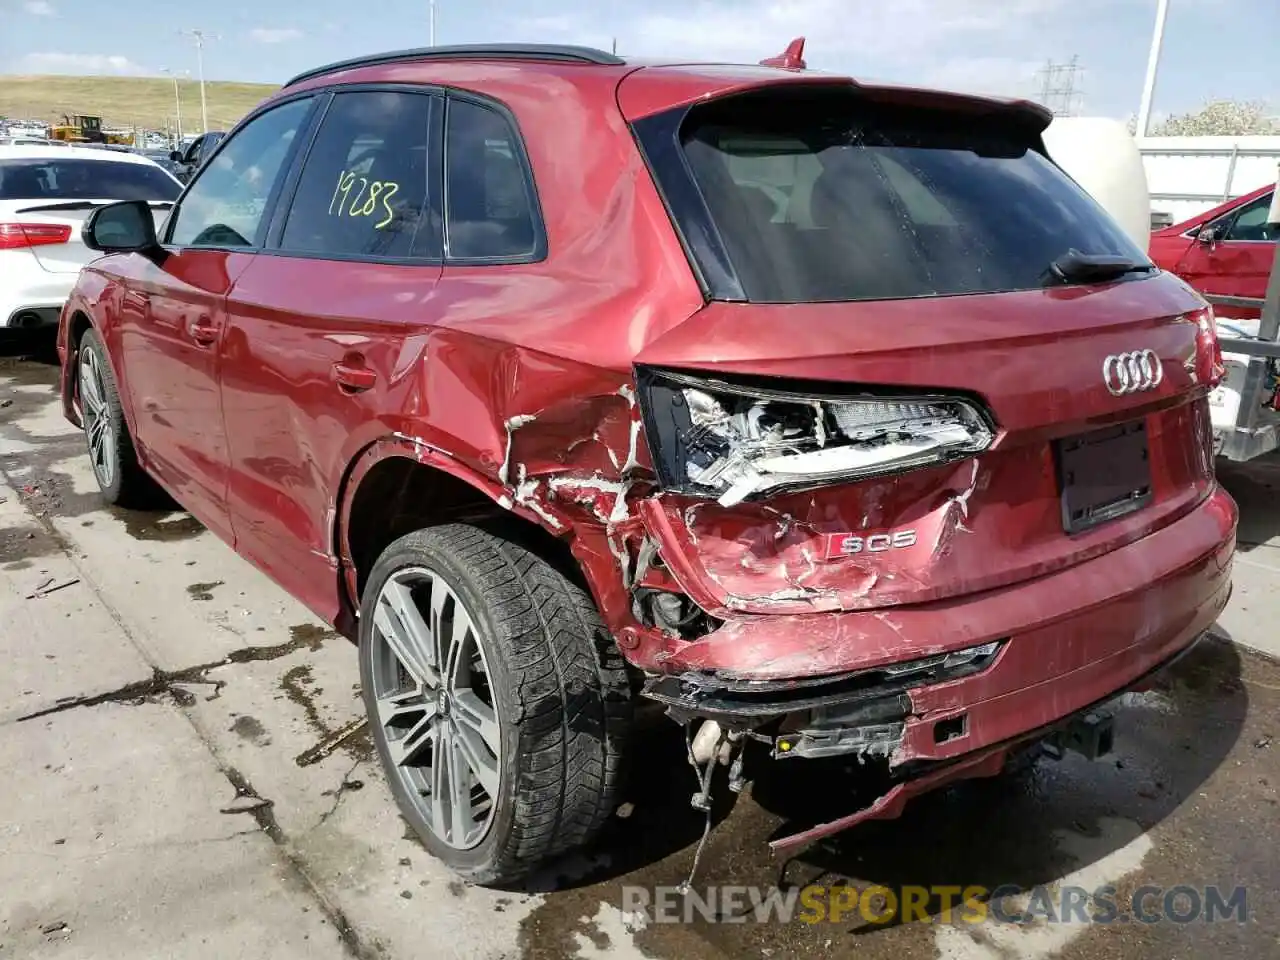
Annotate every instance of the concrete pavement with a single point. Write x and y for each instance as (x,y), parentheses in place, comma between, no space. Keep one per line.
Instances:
(162,706)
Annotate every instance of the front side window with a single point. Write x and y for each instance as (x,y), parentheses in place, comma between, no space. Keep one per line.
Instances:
(1250,222)
(489,200)
(40,179)
(363,189)
(819,195)
(225,205)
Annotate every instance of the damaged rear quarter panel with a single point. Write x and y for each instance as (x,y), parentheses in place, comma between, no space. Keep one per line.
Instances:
(520,374)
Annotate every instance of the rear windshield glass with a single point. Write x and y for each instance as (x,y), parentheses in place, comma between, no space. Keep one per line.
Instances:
(75,179)
(823,196)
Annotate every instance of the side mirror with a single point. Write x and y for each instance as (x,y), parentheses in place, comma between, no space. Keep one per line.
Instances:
(1208,235)
(175,156)
(125,227)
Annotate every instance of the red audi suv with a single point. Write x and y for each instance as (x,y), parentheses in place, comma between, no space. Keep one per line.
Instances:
(833,418)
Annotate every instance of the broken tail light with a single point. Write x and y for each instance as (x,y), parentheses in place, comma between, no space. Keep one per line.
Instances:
(1210,367)
(715,439)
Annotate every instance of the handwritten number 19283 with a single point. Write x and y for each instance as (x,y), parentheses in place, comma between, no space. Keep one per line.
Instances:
(367,199)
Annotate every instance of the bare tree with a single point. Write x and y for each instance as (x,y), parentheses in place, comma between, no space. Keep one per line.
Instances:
(1227,118)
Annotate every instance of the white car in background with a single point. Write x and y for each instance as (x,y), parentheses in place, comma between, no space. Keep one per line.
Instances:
(46,194)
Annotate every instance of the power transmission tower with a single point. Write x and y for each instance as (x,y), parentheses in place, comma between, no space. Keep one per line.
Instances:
(1058,89)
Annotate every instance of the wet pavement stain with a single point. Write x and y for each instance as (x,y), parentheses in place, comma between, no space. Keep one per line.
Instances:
(28,543)
(251,729)
(1186,773)
(204,591)
(311,635)
(262,812)
(158,527)
(171,682)
(299,686)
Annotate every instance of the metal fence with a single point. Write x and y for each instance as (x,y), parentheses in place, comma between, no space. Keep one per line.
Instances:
(1188,175)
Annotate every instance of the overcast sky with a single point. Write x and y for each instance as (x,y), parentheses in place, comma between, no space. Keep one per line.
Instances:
(1213,48)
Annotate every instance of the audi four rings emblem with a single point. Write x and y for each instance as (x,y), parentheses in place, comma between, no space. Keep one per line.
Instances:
(1131,372)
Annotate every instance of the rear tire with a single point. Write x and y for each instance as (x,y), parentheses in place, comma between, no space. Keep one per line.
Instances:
(537,700)
(120,477)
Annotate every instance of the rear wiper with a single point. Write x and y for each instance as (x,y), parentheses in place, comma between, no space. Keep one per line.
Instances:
(1076,267)
(87,205)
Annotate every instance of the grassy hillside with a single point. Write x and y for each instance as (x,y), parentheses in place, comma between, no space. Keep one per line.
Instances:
(127,101)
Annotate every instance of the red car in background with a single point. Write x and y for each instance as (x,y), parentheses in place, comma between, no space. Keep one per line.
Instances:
(1227,250)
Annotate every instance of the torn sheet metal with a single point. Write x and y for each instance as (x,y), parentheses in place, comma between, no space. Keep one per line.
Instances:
(842,547)
(906,539)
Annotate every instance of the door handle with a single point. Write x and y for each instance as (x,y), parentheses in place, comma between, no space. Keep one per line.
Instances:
(353,376)
(202,331)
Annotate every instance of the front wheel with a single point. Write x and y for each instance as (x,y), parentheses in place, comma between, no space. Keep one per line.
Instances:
(498,702)
(111,452)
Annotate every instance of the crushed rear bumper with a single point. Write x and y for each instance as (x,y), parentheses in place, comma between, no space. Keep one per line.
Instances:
(905,683)
(924,778)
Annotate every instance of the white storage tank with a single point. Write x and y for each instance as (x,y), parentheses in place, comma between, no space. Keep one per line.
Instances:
(1102,156)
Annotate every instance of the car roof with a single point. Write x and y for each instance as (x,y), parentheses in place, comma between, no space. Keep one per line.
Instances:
(654,85)
(25,152)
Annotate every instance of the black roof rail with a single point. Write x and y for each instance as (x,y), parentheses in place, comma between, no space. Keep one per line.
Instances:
(561,53)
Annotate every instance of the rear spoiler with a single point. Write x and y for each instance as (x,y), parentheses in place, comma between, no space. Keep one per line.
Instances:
(70,205)
(792,59)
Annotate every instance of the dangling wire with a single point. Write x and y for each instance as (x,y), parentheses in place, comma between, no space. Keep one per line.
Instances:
(702,800)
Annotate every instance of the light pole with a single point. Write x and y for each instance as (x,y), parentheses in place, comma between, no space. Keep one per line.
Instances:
(432,7)
(1153,65)
(200,37)
(177,99)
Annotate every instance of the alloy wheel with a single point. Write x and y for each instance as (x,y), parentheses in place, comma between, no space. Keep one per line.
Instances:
(96,415)
(435,705)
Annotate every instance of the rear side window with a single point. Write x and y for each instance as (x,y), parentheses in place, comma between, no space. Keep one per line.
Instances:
(489,199)
(363,189)
(84,180)
(227,200)
(821,196)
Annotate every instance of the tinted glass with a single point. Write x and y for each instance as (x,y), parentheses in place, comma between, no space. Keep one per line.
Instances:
(225,204)
(1251,222)
(84,180)
(820,196)
(489,200)
(363,189)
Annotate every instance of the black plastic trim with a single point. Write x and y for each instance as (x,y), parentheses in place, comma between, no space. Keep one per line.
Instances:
(658,137)
(706,695)
(547,52)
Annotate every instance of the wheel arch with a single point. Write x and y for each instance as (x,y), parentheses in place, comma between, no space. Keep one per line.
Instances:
(77,324)
(397,484)
(80,319)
